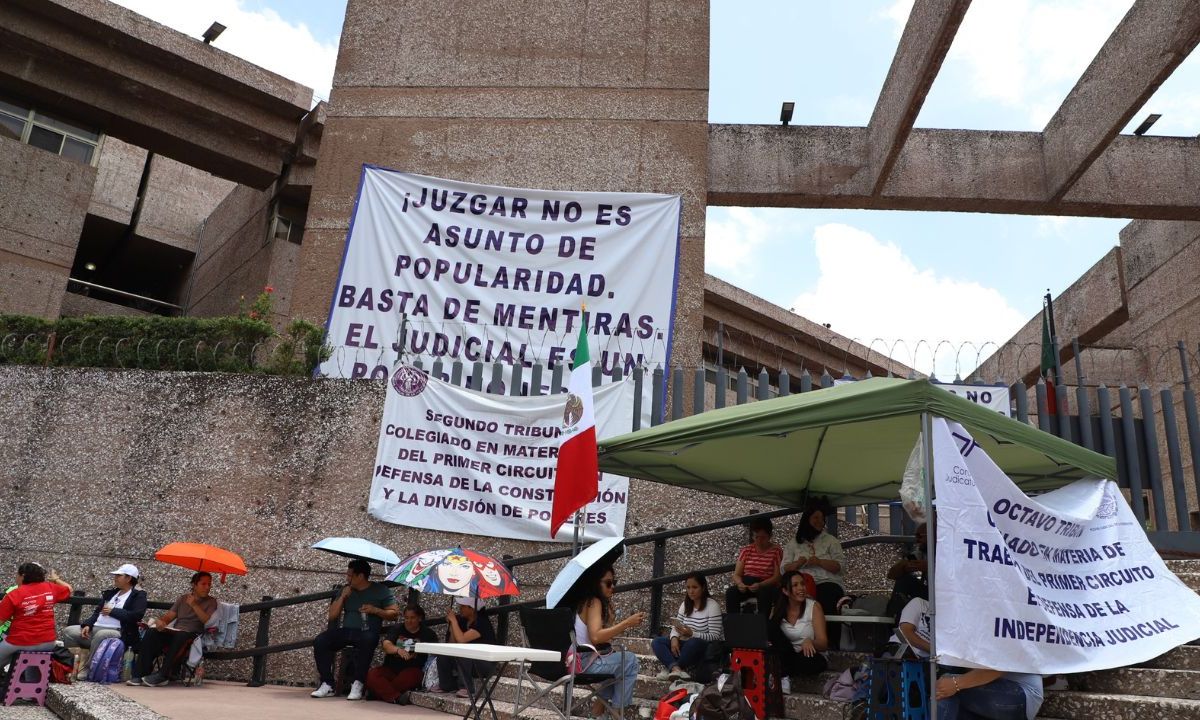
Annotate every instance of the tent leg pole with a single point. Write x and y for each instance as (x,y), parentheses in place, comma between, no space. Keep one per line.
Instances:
(931,524)
(577,539)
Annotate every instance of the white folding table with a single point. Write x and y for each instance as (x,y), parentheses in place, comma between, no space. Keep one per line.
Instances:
(877,621)
(501,655)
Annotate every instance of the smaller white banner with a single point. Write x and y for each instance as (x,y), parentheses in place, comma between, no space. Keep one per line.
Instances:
(992,397)
(458,460)
(1065,582)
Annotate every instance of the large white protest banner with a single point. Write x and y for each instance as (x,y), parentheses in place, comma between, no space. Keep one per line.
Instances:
(496,274)
(455,459)
(1061,583)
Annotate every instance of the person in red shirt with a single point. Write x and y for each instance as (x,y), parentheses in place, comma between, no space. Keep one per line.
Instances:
(756,573)
(31,608)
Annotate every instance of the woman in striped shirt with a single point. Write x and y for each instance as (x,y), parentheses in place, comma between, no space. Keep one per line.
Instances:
(697,623)
(756,573)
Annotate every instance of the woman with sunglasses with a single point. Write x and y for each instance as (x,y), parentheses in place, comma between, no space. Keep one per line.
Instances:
(595,629)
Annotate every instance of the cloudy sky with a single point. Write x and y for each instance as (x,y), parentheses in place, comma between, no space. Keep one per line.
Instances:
(884,275)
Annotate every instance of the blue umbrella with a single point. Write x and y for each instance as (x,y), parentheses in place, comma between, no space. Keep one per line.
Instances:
(574,569)
(358,548)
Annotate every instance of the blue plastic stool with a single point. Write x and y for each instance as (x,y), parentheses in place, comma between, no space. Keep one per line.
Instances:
(899,690)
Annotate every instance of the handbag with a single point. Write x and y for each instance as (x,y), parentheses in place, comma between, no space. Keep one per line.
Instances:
(429,679)
(578,664)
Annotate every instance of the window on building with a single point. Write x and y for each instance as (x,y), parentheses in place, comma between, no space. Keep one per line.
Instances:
(49,132)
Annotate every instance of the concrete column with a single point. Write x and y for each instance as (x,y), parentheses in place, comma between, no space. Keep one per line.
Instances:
(557,94)
(43,201)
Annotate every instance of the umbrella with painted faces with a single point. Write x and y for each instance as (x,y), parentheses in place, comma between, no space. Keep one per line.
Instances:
(601,552)
(198,556)
(359,549)
(455,571)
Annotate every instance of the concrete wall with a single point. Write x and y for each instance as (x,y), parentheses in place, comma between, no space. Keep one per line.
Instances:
(557,94)
(178,200)
(101,467)
(118,173)
(1129,311)
(233,261)
(43,201)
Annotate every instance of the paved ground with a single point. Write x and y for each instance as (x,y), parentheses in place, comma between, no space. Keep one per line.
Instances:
(231,701)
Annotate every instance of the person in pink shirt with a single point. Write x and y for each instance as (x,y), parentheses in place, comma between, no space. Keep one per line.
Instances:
(30,607)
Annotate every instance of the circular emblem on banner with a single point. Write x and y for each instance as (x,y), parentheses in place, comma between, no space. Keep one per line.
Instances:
(409,381)
(573,411)
(1108,505)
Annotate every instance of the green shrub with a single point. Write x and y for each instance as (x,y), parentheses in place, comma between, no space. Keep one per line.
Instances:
(227,344)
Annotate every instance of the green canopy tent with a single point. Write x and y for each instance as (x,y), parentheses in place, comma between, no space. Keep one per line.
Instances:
(849,442)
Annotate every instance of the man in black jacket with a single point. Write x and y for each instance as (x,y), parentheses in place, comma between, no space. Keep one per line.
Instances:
(121,609)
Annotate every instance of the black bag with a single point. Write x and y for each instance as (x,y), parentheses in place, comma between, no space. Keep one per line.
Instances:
(714,662)
(722,699)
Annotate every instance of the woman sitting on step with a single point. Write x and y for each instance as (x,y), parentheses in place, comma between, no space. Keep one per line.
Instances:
(988,695)
(30,607)
(697,623)
(797,629)
(596,626)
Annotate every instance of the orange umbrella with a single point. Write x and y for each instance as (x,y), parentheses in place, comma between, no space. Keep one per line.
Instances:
(198,556)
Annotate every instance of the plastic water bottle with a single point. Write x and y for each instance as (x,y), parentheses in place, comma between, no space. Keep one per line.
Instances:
(409,644)
(362,614)
(785,684)
(127,666)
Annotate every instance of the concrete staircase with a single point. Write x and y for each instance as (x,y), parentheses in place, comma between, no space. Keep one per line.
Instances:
(1165,688)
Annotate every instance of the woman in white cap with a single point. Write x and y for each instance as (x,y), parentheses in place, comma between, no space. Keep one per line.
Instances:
(121,609)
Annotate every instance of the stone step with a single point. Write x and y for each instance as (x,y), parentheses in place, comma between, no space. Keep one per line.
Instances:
(1075,705)
(1184,657)
(1191,579)
(1183,684)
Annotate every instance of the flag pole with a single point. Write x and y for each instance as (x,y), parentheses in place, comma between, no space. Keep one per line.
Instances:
(1054,339)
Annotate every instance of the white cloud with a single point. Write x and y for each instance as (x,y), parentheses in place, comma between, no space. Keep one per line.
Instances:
(259,36)
(868,289)
(1027,54)
(732,239)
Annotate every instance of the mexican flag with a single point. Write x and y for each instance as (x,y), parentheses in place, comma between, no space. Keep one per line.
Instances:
(576,477)
(1048,356)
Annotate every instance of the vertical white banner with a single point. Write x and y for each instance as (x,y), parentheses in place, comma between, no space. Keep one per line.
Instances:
(1064,582)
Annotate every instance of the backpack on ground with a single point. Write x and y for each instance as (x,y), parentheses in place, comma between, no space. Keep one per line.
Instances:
(107,660)
(672,701)
(722,699)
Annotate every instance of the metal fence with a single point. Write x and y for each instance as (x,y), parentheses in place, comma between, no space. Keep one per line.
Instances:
(1157,455)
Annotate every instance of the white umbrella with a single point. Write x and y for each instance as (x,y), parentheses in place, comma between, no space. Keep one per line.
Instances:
(575,567)
(359,548)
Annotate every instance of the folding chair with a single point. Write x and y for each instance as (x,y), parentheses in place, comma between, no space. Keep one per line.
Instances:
(555,630)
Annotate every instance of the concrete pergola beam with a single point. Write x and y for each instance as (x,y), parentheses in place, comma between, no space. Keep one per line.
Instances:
(105,66)
(947,170)
(927,36)
(1151,41)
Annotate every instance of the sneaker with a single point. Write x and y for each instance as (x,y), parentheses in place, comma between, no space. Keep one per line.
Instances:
(674,674)
(436,689)
(154,680)
(683,675)
(664,675)
(134,681)
(325,690)
(356,691)
(1055,682)
(463,693)
(403,698)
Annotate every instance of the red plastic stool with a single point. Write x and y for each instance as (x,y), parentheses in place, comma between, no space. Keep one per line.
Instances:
(760,681)
(19,688)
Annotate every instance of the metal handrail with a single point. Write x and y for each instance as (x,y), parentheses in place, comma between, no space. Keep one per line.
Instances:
(122,293)
(262,647)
